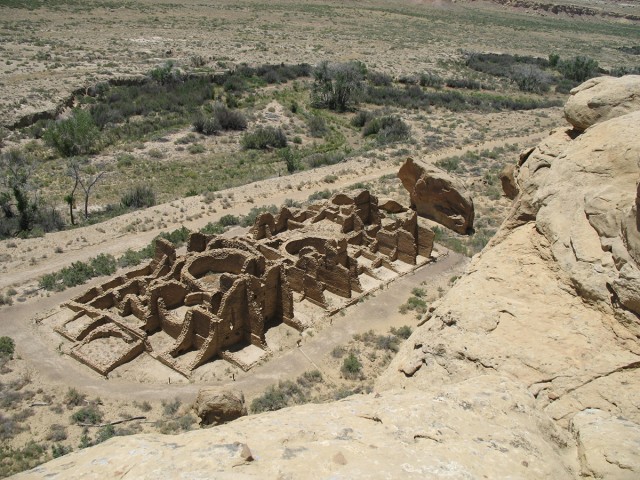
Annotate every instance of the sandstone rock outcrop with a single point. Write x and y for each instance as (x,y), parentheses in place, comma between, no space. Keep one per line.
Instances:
(437,195)
(554,298)
(216,405)
(486,427)
(602,98)
(507,178)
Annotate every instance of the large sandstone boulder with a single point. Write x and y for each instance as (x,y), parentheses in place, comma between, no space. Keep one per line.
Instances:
(507,178)
(215,405)
(437,195)
(602,98)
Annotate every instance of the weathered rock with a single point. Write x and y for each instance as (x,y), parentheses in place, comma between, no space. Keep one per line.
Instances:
(507,178)
(486,427)
(607,445)
(437,195)
(602,98)
(390,206)
(215,405)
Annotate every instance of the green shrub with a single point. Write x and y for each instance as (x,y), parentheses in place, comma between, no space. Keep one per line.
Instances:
(263,138)
(351,367)
(276,397)
(403,332)
(320,195)
(58,450)
(229,220)
(578,68)
(387,129)
(165,74)
(90,414)
(140,196)
(103,264)
(212,228)
(361,118)
(76,135)
(206,124)
(430,80)
(337,86)
(171,408)
(317,126)
(229,119)
(7,347)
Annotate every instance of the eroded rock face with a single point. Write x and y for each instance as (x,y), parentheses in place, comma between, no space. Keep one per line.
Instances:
(438,196)
(602,98)
(507,178)
(485,427)
(607,445)
(215,405)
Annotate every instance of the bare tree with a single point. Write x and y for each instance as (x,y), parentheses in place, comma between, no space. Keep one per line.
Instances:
(86,180)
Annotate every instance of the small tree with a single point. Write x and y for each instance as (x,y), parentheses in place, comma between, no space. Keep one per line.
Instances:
(337,86)
(86,180)
(76,135)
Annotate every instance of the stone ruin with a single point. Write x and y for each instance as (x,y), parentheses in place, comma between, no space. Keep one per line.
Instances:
(223,294)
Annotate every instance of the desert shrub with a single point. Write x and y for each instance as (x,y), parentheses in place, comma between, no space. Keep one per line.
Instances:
(499,65)
(309,378)
(351,367)
(450,164)
(229,119)
(229,220)
(291,160)
(7,346)
(103,264)
(105,433)
(403,332)
(14,460)
(195,148)
(338,351)
(90,414)
(578,68)
(165,74)
(171,408)
(57,433)
(463,83)
(316,160)
(337,86)
(212,228)
(206,124)
(320,195)
(131,258)
(361,118)
(565,86)
(530,78)
(140,196)
(428,79)
(379,79)
(277,397)
(263,138)
(388,129)
(58,450)
(317,126)
(76,135)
